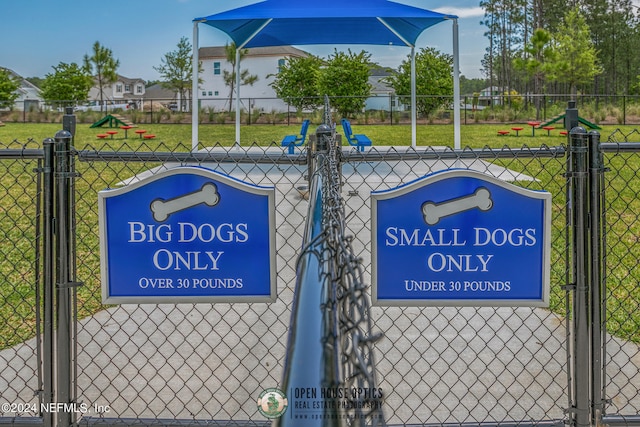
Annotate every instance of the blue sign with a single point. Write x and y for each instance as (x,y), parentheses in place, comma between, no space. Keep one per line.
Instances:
(187,234)
(461,238)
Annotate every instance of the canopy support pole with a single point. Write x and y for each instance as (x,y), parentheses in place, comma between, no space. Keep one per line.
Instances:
(194,89)
(456,87)
(238,48)
(413,80)
(237,95)
(414,112)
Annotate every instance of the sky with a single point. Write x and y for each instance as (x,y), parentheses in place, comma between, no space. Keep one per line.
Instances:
(35,35)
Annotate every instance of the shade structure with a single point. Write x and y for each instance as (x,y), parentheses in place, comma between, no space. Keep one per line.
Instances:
(333,22)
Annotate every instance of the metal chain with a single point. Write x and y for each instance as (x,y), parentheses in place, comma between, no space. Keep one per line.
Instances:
(354,318)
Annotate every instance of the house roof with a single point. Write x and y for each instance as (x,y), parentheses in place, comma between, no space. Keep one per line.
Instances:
(128,80)
(157,91)
(25,85)
(219,51)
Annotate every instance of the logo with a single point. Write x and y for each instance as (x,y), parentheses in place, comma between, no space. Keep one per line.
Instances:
(272,403)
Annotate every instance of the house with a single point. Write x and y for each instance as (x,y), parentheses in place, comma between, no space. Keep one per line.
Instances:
(382,94)
(263,62)
(489,96)
(159,95)
(124,90)
(29,95)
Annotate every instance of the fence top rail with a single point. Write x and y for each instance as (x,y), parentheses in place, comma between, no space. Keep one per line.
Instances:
(242,155)
(21,153)
(431,153)
(231,156)
(620,147)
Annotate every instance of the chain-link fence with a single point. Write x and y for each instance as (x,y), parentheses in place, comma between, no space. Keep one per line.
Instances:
(22,317)
(621,353)
(200,362)
(209,361)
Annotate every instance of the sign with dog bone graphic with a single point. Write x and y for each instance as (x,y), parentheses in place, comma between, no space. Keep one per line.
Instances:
(460,238)
(187,234)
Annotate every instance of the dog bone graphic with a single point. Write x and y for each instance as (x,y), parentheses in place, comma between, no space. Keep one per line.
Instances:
(434,212)
(162,209)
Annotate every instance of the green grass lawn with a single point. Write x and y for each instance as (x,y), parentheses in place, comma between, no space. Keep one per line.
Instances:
(474,135)
(17,210)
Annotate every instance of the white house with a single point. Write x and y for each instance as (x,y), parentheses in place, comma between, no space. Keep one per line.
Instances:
(28,94)
(123,90)
(263,62)
(493,95)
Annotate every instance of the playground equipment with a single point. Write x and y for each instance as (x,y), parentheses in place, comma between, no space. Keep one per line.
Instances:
(114,120)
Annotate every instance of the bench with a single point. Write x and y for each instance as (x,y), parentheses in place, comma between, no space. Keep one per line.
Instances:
(356,140)
(293,141)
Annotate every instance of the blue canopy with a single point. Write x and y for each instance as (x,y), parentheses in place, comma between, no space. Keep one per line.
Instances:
(285,22)
(354,22)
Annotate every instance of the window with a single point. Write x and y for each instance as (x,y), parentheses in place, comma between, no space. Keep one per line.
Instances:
(204,93)
(209,93)
(127,88)
(215,93)
(280,64)
(139,89)
(118,88)
(216,68)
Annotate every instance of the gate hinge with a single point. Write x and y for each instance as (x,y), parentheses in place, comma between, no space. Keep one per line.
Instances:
(568,287)
(69,174)
(68,285)
(44,169)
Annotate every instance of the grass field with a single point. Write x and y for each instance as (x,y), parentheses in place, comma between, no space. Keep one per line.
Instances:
(474,136)
(17,210)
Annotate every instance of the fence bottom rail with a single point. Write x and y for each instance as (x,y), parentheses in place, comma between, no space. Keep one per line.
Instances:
(22,421)
(155,422)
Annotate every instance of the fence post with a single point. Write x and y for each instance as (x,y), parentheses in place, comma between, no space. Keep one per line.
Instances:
(581,249)
(598,295)
(312,360)
(64,282)
(49,263)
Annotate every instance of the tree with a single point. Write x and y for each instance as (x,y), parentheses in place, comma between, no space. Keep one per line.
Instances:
(36,81)
(434,77)
(230,77)
(297,82)
(538,53)
(8,87)
(345,79)
(103,66)
(68,82)
(471,86)
(176,70)
(577,60)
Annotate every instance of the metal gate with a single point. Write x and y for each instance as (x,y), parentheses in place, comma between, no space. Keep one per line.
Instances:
(207,363)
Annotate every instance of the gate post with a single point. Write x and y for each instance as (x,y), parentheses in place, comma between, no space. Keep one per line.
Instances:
(48,292)
(598,327)
(64,279)
(581,325)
